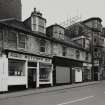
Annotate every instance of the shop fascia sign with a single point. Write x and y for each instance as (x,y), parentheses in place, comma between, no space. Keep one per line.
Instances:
(87,64)
(27,57)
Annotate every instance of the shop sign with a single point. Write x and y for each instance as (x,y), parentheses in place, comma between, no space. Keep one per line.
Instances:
(86,64)
(27,57)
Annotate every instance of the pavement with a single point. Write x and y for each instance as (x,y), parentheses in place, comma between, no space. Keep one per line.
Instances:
(44,90)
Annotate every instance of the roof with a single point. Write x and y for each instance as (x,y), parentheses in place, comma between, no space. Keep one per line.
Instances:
(92,18)
(14,23)
(19,25)
(55,25)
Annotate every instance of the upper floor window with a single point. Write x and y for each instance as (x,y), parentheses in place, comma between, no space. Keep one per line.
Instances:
(77,54)
(1,35)
(64,51)
(22,40)
(12,38)
(87,56)
(42,45)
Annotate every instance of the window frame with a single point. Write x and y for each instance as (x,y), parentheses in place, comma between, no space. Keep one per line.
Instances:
(15,39)
(23,42)
(42,46)
(64,50)
(77,54)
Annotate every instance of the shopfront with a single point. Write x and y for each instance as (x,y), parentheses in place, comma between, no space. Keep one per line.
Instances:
(66,70)
(25,69)
(87,74)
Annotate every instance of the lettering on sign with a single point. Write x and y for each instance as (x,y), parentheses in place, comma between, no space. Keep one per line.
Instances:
(27,57)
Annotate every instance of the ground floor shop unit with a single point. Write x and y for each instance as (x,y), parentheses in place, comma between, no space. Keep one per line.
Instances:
(99,72)
(67,71)
(21,69)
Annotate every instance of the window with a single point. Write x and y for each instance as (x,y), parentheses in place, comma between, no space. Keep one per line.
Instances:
(45,70)
(77,54)
(1,35)
(42,45)
(12,38)
(87,56)
(22,40)
(16,68)
(64,51)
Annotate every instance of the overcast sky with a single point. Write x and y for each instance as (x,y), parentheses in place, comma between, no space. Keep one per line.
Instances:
(57,11)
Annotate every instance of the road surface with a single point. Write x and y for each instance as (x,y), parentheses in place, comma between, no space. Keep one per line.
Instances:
(88,95)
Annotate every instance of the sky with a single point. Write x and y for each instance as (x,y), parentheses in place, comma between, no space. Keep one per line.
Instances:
(58,11)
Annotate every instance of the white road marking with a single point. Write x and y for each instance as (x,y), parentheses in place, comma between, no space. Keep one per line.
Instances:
(69,102)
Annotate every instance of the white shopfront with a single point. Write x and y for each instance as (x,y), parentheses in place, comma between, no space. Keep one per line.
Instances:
(24,69)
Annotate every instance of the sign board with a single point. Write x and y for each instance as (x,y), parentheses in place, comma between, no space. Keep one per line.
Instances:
(87,64)
(13,55)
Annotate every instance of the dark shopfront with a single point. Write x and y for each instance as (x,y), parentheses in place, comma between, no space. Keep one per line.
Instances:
(64,70)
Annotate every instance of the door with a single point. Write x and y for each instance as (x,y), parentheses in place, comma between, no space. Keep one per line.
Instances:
(31,77)
(96,73)
(78,75)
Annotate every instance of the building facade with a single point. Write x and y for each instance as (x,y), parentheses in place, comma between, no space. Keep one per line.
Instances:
(69,59)
(91,29)
(25,56)
(33,55)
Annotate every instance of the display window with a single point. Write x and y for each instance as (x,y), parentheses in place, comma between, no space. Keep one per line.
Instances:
(16,68)
(45,70)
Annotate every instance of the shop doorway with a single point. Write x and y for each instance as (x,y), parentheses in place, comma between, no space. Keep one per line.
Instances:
(31,75)
(96,73)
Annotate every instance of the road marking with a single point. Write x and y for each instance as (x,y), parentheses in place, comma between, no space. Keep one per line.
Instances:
(81,99)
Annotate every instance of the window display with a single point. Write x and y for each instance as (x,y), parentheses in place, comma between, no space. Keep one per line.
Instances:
(44,71)
(16,68)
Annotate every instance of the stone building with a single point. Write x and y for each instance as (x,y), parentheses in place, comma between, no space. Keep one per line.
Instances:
(68,58)
(32,55)
(24,55)
(89,32)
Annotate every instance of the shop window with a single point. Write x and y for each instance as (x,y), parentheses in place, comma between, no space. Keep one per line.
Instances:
(44,72)
(16,68)
(42,46)
(22,40)
(12,38)
(64,51)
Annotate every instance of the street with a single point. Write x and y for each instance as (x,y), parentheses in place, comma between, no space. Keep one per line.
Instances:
(87,95)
